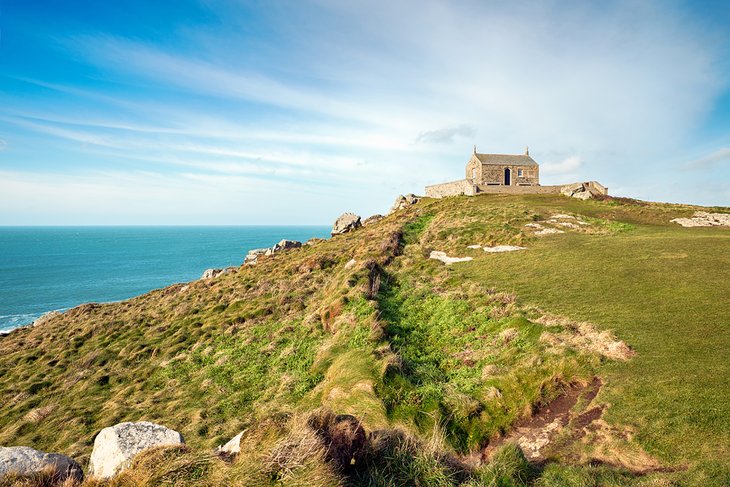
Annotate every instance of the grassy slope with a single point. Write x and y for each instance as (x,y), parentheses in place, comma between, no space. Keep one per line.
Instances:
(662,288)
(264,347)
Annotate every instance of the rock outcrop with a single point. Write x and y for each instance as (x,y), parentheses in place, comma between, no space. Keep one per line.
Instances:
(116,446)
(577,190)
(213,273)
(438,255)
(704,219)
(25,461)
(504,248)
(372,219)
(253,256)
(233,447)
(404,201)
(285,245)
(347,222)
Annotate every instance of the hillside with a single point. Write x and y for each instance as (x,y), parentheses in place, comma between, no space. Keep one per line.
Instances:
(601,350)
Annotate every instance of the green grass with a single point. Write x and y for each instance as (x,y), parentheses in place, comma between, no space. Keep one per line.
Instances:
(663,289)
(435,361)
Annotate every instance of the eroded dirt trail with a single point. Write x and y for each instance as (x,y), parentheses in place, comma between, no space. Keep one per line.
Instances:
(535,434)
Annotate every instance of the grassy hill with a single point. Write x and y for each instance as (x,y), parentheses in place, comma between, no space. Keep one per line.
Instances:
(618,327)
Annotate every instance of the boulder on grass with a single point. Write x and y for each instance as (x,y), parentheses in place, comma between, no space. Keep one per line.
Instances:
(577,190)
(253,256)
(403,201)
(116,446)
(233,447)
(372,219)
(286,245)
(25,461)
(346,223)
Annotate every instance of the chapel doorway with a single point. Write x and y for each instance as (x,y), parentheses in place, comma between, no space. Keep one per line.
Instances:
(507,177)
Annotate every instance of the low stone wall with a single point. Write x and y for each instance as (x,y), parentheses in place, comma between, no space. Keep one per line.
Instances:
(488,189)
(465,187)
(453,188)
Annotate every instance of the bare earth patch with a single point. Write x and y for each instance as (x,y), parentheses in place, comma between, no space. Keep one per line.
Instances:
(584,336)
(535,433)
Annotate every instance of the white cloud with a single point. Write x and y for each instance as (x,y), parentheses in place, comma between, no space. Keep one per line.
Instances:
(365,101)
(568,165)
(445,135)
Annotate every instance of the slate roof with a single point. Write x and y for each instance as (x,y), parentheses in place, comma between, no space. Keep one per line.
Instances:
(506,159)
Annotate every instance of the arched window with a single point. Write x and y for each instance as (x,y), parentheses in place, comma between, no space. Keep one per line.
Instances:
(474,173)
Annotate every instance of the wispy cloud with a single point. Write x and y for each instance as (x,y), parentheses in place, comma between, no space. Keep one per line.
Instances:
(3,144)
(720,157)
(359,101)
(446,135)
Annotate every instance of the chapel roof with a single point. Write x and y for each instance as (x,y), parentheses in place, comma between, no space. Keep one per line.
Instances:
(506,159)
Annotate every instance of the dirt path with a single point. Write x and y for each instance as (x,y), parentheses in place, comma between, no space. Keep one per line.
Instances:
(535,433)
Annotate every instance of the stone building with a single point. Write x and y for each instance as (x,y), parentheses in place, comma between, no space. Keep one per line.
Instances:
(508,174)
(502,170)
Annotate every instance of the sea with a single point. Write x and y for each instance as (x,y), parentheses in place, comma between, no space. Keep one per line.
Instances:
(56,268)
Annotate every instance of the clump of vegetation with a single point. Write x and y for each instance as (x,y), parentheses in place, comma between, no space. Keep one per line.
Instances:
(430,363)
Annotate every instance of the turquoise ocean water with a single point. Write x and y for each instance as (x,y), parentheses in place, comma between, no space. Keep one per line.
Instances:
(56,268)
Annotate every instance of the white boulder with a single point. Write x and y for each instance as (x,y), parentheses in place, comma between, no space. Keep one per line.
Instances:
(404,201)
(705,219)
(346,223)
(233,447)
(253,256)
(503,248)
(26,461)
(438,255)
(116,446)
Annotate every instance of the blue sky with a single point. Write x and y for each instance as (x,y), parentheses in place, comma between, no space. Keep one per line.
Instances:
(270,112)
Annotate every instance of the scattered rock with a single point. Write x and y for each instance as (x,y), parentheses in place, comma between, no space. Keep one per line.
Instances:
(504,248)
(116,446)
(253,256)
(45,318)
(446,259)
(372,219)
(314,240)
(233,447)
(548,231)
(404,201)
(347,222)
(286,245)
(567,224)
(350,264)
(25,461)
(562,216)
(705,219)
(474,247)
(213,273)
(534,225)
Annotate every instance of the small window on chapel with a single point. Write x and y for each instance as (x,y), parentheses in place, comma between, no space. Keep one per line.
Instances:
(519,173)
